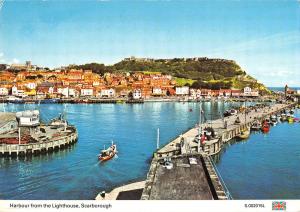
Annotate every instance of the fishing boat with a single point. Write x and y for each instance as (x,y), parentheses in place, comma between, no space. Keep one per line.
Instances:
(256,126)
(244,134)
(268,121)
(120,101)
(265,127)
(290,120)
(108,153)
(283,117)
(273,120)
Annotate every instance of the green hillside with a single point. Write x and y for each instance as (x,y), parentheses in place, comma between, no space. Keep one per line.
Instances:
(196,72)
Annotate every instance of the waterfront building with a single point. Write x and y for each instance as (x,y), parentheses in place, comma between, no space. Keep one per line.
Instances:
(87,91)
(185,90)
(124,93)
(73,92)
(206,92)
(137,94)
(109,93)
(248,92)
(18,91)
(195,93)
(157,91)
(3,91)
(63,91)
(236,93)
(225,92)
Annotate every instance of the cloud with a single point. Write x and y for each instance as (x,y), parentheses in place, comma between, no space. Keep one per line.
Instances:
(270,41)
(15,60)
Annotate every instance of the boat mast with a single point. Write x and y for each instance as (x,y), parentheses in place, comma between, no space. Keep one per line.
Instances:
(200,126)
(64,117)
(157,140)
(19,133)
(245,112)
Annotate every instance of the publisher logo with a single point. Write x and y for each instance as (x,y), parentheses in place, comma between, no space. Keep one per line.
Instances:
(279,205)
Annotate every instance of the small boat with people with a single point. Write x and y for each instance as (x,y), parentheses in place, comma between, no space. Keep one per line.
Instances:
(109,153)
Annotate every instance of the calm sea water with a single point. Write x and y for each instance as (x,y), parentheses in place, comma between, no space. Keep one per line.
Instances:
(75,173)
(282,88)
(266,166)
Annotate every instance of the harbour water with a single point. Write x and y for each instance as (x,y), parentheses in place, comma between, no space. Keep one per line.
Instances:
(265,166)
(75,173)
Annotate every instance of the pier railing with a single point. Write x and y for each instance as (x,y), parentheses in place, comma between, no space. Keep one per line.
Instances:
(225,188)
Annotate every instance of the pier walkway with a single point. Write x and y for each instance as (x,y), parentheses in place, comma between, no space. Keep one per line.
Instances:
(225,129)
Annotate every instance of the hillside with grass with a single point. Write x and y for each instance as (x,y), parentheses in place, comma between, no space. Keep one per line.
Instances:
(195,72)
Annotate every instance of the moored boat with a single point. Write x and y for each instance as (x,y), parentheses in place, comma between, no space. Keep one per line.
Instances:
(244,134)
(256,126)
(265,127)
(290,120)
(283,117)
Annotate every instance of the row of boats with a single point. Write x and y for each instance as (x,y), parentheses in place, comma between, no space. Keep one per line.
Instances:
(273,120)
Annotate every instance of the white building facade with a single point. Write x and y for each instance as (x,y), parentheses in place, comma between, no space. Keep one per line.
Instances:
(182,90)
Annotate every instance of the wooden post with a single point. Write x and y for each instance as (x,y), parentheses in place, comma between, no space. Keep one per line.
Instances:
(19,132)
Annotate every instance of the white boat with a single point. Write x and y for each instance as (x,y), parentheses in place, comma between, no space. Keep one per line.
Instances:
(256,126)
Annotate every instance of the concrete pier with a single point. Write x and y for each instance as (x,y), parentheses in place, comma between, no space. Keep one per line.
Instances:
(116,194)
(224,133)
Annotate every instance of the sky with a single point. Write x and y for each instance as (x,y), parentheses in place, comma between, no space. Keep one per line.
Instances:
(263,37)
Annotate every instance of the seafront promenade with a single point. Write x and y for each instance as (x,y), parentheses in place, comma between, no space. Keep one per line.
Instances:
(93,100)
